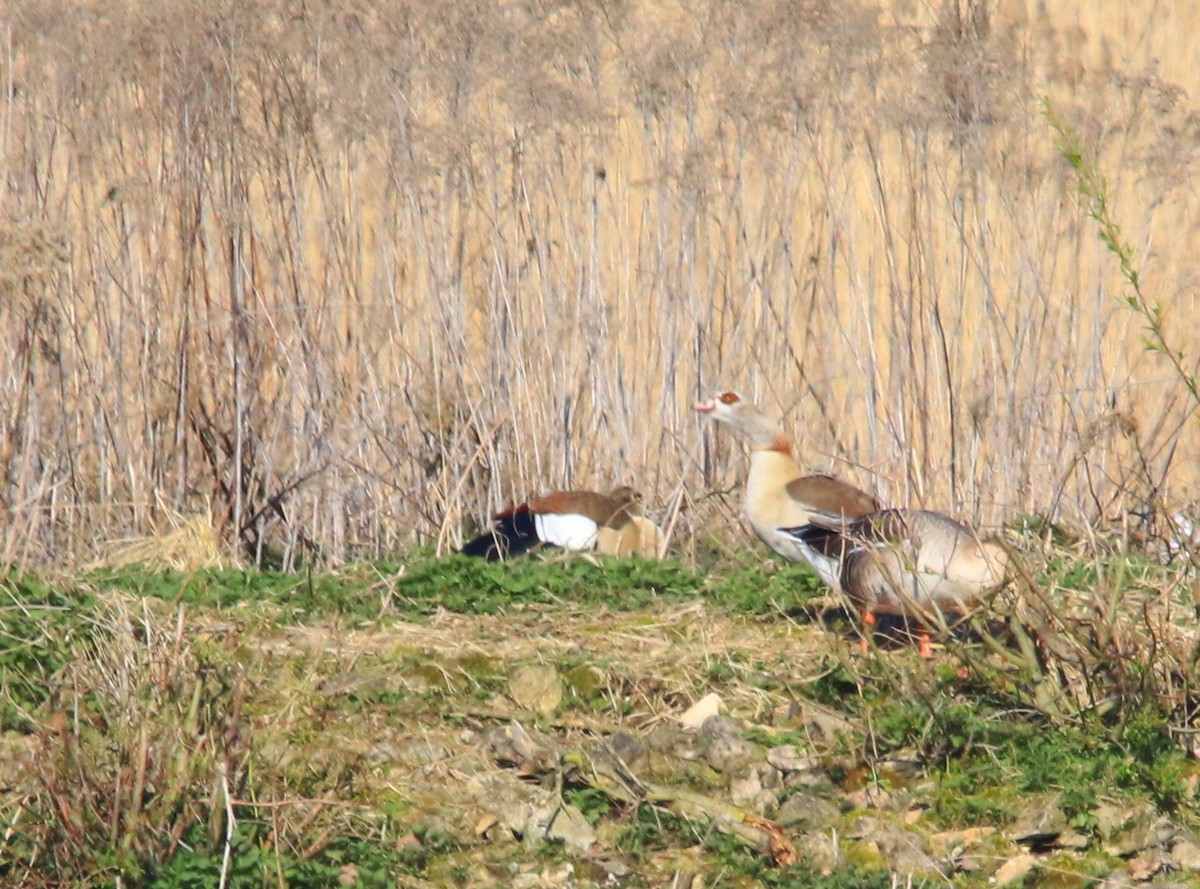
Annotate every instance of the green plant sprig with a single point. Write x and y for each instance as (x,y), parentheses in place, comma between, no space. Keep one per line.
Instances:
(1093,187)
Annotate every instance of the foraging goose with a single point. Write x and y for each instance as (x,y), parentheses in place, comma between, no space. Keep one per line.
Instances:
(574,520)
(909,563)
(890,561)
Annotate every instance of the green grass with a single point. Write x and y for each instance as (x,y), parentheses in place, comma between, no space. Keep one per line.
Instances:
(425,584)
(984,749)
(254,863)
(40,625)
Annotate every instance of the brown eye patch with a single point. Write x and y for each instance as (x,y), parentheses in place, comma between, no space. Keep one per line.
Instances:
(728,398)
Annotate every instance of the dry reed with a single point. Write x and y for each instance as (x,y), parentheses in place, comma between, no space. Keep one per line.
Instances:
(351,277)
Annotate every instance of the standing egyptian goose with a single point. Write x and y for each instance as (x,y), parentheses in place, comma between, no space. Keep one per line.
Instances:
(573,520)
(909,563)
(890,561)
(778,494)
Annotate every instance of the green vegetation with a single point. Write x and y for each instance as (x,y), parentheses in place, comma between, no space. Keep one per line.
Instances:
(40,625)
(426,584)
(303,736)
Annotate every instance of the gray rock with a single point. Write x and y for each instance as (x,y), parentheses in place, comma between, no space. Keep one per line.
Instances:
(786,758)
(807,811)
(1040,823)
(723,748)
(572,829)
(905,851)
(746,790)
(1128,829)
(819,848)
(628,747)
(745,787)
(672,740)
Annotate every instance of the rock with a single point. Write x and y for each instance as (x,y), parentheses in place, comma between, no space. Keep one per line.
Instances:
(744,789)
(1040,823)
(807,811)
(819,848)
(694,717)
(1186,855)
(769,776)
(905,851)
(1014,869)
(418,752)
(673,741)
(537,688)
(723,748)
(1148,864)
(747,790)
(788,759)
(1128,829)
(628,747)
(507,799)
(572,829)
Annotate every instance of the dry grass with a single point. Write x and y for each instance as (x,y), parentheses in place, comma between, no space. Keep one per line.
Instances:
(350,277)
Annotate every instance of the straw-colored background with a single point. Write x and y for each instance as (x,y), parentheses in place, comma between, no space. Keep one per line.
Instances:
(354,275)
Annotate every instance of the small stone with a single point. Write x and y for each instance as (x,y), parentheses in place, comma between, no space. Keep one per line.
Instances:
(669,738)
(537,688)
(1148,864)
(905,851)
(571,828)
(787,758)
(722,747)
(808,811)
(709,705)
(1014,869)
(628,747)
(1186,855)
(1040,823)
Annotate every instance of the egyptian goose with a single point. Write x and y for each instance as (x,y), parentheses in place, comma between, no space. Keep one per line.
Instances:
(778,494)
(890,561)
(574,520)
(907,562)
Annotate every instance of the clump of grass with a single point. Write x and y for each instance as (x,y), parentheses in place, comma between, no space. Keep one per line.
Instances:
(141,742)
(41,627)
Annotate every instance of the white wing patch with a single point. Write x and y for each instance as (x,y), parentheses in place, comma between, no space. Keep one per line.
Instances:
(827,568)
(570,530)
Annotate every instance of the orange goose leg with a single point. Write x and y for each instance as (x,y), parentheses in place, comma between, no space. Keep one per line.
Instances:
(868,635)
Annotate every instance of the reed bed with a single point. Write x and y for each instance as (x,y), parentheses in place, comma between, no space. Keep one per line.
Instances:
(347,278)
